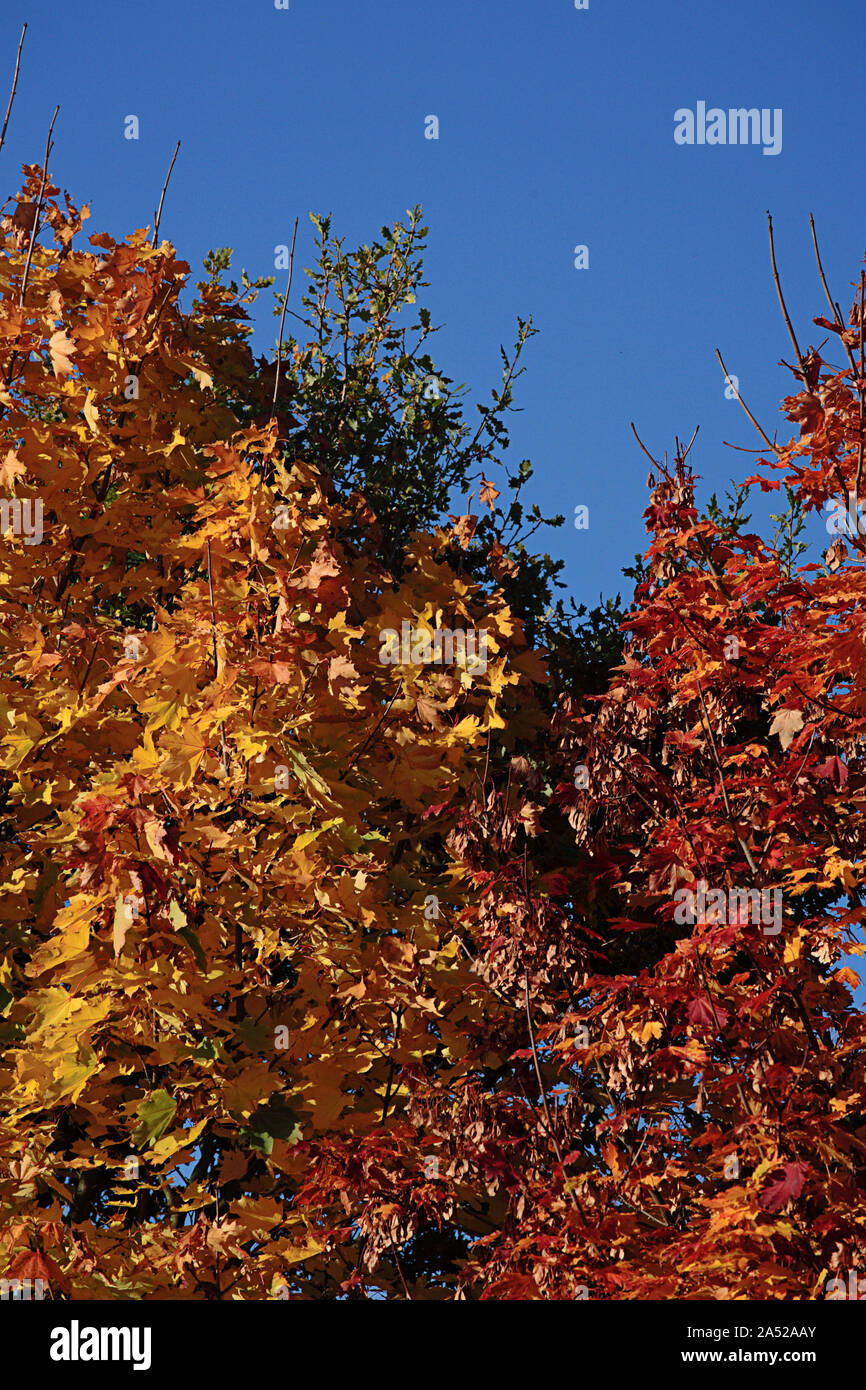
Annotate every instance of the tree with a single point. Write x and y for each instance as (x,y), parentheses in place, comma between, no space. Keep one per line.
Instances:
(692,1129)
(388,424)
(318,865)
(224,792)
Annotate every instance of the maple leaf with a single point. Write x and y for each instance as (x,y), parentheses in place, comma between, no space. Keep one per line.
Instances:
(704,1015)
(464,528)
(10,469)
(155,1114)
(429,711)
(341,671)
(61,349)
(786,1188)
(33,1265)
(224,1237)
(24,216)
(487,493)
(834,770)
(530,818)
(787,724)
(322,566)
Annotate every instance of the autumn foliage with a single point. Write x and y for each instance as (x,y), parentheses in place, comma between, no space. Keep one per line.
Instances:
(328,977)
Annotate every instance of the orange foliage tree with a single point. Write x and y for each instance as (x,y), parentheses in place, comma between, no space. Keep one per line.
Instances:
(225,920)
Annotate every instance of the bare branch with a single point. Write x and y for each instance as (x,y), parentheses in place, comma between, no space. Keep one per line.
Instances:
(282,321)
(782,300)
(743,846)
(158,215)
(860,394)
(769,443)
(684,456)
(35,227)
(834,307)
(14,85)
(653,461)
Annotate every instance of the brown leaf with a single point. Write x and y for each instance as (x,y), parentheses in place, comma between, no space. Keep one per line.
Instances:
(61,348)
(10,469)
(787,724)
(487,493)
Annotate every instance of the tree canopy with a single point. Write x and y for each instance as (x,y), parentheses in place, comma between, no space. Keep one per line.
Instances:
(372,926)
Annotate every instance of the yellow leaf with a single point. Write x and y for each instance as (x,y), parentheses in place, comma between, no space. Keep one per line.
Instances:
(145,759)
(185,751)
(167,712)
(122,923)
(494,721)
(91,414)
(793,948)
(310,835)
(649,1030)
(168,1146)
(202,377)
(73,935)
(61,349)
(293,1254)
(467,728)
(846,976)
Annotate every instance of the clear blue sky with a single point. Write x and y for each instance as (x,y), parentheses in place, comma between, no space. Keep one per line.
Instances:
(556,129)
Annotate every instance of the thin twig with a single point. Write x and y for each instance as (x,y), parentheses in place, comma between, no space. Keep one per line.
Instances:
(782,300)
(683,457)
(743,846)
(653,461)
(770,445)
(282,321)
(212,614)
(365,745)
(14,85)
(156,219)
(215,662)
(860,396)
(35,227)
(400,1269)
(549,1122)
(834,307)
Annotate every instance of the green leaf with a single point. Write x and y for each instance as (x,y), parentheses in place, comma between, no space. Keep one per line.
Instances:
(154,1117)
(176,915)
(275,1120)
(195,946)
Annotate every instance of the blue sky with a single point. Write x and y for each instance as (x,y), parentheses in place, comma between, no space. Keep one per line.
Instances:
(556,130)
